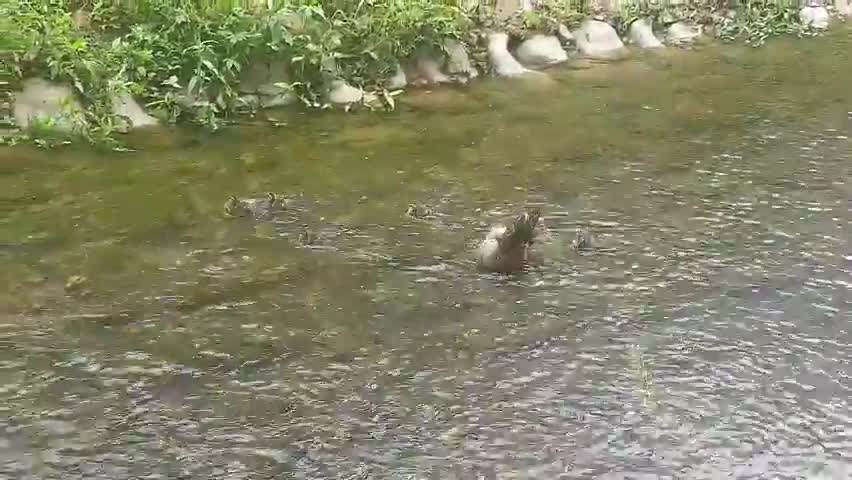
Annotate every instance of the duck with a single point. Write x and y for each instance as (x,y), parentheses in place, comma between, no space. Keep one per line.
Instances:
(505,248)
(583,240)
(418,211)
(253,207)
(306,236)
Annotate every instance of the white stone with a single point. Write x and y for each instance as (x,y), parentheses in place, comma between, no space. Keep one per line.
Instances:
(40,101)
(844,7)
(458,60)
(681,33)
(277,100)
(816,17)
(503,62)
(268,82)
(275,94)
(372,100)
(598,39)
(249,100)
(124,105)
(428,69)
(564,34)
(506,8)
(398,80)
(641,34)
(541,50)
(340,92)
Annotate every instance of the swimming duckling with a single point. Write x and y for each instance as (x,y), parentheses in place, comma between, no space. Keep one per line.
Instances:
(506,246)
(253,207)
(583,241)
(306,236)
(418,211)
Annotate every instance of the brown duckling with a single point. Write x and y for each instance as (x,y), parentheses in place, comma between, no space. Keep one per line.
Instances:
(252,207)
(583,240)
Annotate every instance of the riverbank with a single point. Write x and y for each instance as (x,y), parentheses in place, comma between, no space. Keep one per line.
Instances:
(709,339)
(96,70)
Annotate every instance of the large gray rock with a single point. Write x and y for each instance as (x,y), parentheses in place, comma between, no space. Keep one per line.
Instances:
(682,33)
(541,51)
(596,39)
(458,60)
(641,34)
(505,65)
(269,82)
(125,106)
(814,16)
(427,69)
(41,101)
(506,8)
(341,93)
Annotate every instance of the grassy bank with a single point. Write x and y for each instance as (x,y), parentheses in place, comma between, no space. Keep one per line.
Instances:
(165,52)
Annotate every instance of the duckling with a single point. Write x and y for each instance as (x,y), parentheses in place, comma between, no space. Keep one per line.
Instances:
(253,207)
(306,237)
(506,247)
(235,207)
(418,211)
(583,240)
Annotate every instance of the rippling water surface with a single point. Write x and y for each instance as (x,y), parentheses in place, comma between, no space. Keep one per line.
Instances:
(144,336)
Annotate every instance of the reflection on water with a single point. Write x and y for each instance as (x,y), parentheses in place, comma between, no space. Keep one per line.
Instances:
(707,337)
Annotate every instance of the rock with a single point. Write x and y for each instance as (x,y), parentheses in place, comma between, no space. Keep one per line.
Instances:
(81,19)
(275,94)
(669,16)
(642,35)
(41,101)
(814,16)
(340,93)
(269,82)
(540,51)
(253,75)
(249,101)
(458,60)
(599,40)
(277,100)
(844,7)
(427,69)
(682,33)
(372,100)
(125,106)
(398,80)
(506,8)
(190,101)
(564,34)
(503,62)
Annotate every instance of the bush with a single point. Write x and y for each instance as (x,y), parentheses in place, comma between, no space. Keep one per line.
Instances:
(185,59)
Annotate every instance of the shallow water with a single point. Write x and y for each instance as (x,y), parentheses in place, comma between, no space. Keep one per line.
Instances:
(707,337)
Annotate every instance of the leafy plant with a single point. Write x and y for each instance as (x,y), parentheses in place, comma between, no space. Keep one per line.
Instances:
(758,20)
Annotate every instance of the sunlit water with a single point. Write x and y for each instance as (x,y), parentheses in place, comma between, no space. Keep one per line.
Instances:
(707,337)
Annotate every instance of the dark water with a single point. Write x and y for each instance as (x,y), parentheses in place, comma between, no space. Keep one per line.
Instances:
(708,336)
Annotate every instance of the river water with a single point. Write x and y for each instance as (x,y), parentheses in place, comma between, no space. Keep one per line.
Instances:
(142,335)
